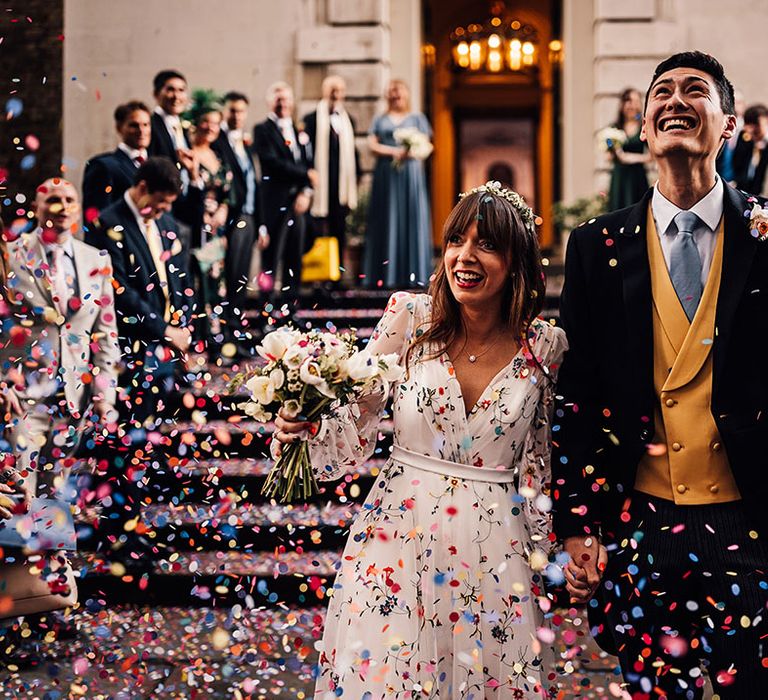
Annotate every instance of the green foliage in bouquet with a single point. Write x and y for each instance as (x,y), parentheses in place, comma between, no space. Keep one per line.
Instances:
(308,375)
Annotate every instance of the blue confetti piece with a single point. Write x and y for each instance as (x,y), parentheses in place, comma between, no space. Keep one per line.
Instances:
(14,107)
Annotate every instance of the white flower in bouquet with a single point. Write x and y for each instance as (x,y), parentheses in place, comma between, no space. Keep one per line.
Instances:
(416,142)
(308,375)
(610,137)
(274,344)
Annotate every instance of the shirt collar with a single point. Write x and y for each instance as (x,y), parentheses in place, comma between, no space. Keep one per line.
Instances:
(66,246)
(709,208)
(132,153)
(143,223)
(282,122)
(167,118)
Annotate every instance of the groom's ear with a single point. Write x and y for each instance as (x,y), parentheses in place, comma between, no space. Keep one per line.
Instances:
(643,136)
(729,126)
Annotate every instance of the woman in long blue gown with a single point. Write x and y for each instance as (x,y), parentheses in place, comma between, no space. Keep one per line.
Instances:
(398,240)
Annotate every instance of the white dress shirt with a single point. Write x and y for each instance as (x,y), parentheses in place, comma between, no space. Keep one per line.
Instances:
(173,124)
(709,209)
(133,153)
(285,124)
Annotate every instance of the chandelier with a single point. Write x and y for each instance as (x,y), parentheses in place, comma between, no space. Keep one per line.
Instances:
(498,45)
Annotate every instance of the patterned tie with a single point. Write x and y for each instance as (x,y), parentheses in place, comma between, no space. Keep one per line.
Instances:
(685,263)
(155,245)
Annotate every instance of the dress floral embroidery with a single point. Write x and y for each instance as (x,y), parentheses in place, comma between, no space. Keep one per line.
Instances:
(434,597)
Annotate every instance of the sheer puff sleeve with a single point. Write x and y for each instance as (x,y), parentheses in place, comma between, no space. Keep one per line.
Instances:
(348,439)
(549,347)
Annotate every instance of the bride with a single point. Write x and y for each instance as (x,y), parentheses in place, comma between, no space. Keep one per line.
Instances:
(439,593)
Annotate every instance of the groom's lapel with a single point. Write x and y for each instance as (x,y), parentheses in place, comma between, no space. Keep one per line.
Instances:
(738,251)
(636,285)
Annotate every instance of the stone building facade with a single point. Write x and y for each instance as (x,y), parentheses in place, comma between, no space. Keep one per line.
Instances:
(111,51)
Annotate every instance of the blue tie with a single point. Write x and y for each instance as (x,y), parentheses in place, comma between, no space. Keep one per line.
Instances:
(685,263)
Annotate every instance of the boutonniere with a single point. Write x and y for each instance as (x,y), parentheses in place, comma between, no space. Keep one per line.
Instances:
(758,222)
(247,140)
(303,138)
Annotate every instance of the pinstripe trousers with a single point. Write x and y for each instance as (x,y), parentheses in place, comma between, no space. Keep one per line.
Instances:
(685,593)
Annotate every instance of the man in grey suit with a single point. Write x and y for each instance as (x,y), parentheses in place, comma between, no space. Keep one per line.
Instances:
(61,360)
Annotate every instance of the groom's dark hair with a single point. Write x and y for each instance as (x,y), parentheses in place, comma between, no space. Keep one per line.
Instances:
(706,64)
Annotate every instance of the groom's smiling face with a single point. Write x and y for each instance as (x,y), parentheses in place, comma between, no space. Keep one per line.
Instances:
(684,115)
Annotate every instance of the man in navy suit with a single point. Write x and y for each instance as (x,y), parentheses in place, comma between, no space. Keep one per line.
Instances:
(108,175)
(171,140)
(288,183)
(246,221)
(154,300)
(154,304)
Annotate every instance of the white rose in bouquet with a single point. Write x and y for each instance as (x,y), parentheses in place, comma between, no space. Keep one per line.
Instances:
(609,138)
(308,374)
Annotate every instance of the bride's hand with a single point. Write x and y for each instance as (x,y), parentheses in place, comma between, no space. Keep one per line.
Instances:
(289,429)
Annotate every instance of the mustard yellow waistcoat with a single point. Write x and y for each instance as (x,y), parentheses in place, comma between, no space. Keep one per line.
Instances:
(686,462)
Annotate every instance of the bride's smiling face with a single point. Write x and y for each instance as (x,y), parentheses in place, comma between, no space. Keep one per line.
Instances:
(475,268)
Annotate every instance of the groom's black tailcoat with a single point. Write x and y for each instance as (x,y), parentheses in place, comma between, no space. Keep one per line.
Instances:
(605,408)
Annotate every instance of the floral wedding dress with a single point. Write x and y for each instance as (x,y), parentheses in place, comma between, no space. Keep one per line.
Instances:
(435,597)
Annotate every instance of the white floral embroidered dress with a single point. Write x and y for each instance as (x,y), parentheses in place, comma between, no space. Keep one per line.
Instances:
(434,597)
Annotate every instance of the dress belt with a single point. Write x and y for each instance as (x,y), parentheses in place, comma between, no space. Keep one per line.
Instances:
(446,468)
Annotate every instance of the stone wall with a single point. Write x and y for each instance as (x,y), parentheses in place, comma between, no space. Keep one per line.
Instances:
(630,37)
(114,49)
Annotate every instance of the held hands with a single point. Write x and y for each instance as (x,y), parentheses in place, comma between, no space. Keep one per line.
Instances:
(289,429)
(314,177)
(583,572)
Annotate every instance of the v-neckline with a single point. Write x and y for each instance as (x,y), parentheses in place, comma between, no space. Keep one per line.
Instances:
(503,371)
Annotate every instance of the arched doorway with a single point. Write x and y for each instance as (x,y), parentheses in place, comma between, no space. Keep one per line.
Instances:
(493,121)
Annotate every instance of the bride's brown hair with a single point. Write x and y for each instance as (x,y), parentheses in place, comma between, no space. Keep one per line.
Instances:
(500,222)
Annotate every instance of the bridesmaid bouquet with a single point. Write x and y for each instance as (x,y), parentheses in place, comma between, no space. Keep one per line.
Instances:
(415,142)
(308,374)
(609,138)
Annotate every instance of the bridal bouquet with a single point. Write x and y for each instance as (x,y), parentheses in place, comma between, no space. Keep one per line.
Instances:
(308,374)
(610,137)
(415,142)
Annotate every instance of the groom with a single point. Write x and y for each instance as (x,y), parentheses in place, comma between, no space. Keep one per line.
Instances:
(661,453)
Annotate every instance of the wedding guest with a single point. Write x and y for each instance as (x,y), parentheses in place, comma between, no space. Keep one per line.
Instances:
(332,133)
(398,242)
(209,234)
(170,138)
(629,181)
(660,455)
(750,156)
(155,302)
(246,231)
(155,306)
(62,364)
(109,175)
(288,182)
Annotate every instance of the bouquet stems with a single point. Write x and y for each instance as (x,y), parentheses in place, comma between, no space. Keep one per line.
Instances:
(291,478)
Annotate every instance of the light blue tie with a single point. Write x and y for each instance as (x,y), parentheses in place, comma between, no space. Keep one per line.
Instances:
(685,263)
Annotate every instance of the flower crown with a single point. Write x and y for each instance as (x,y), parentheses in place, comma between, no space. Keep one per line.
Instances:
(516,200)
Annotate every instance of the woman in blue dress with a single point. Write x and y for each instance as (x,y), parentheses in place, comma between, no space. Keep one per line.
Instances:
(398,242)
